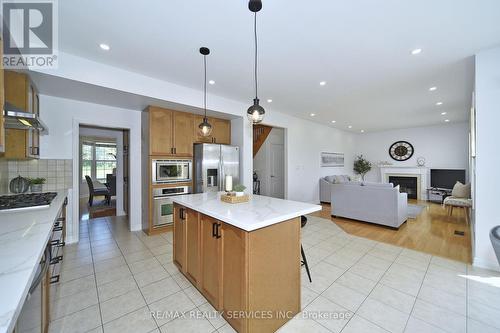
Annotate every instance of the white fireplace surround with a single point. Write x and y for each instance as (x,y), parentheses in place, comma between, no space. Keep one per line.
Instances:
(420,173)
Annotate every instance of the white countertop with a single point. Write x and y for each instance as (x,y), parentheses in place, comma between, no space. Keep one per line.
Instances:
(258,213)
(23,237)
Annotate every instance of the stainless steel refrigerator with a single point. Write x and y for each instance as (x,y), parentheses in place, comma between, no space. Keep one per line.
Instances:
(212,163)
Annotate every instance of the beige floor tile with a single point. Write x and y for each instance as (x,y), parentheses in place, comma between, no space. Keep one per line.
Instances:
(195,296)
(415,325)
(73,303)
(116,307)
(116,288)
(138,256)
(76,273)
(188,325)
(159,289)
(213,316)
(78,322)
(307,296)
(323,275)
(302,325)
(360,325)
(64,289)
(147,277)
(336,315)
(454,285)
(170,305)
(383,315)
(420,265)
(443,299)
(107,264)
(144,265)
(367,271)
(484,313)
(112,274)
(440,317)
(139,321)
(357,283)
(454,265)
(394,298)
(477,326)
(346,297)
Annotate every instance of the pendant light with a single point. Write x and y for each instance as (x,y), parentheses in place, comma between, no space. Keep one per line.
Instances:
(255,113)
(204,128)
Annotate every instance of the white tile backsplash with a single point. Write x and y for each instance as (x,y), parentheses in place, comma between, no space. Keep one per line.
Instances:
(58,173)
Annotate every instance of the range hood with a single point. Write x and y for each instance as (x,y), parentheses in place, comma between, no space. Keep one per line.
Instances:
(20,119)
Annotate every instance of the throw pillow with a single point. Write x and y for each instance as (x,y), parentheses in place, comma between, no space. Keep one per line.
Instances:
(330,179)
(461,191)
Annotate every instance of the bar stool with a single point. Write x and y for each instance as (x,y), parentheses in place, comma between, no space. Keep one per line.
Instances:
(303,222)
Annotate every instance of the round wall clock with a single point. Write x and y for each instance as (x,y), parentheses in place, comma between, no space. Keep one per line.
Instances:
(401,150)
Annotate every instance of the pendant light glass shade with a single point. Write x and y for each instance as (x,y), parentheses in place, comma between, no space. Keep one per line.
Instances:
(204,128)
(255,113)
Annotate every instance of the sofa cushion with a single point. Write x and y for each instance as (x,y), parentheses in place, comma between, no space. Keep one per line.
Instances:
(461,202)
(330,179)
(461,191)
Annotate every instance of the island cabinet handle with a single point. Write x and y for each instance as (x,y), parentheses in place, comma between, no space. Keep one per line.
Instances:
(214,232)
(217,234)
(181,214)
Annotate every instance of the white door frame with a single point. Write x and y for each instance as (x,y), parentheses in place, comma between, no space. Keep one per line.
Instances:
(285,156)
(135,213)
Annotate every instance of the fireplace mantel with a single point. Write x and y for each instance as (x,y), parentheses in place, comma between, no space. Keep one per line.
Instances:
(420,172)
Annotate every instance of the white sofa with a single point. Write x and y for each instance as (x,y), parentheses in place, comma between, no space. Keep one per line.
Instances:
(325,183)
(374,202)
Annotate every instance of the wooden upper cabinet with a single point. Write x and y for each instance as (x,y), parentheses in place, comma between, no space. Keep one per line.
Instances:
(160,131)
(183,134)
(221,131)
(18,90)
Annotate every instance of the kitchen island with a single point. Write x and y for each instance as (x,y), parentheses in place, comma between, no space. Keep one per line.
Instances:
(244,258)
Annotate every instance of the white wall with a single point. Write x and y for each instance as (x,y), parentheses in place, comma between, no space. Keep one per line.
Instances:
(63,117)
(117,136)
(487,155)
(443,146)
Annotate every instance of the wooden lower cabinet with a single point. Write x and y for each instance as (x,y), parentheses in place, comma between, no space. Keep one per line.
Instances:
(252,277)
(211,275)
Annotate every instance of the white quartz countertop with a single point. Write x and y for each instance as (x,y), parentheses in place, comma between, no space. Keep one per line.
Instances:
(23,237)
(258,213)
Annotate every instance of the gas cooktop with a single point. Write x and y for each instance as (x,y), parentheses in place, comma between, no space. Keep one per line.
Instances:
(30,200)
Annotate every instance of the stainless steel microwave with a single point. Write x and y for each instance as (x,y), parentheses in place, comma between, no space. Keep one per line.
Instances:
(171,171)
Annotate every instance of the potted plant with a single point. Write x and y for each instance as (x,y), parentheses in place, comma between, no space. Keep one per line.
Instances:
(239,189)
(362,166)
(36,184)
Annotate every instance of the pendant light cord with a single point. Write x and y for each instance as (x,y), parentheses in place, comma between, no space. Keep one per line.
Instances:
(205,85)
(255,35)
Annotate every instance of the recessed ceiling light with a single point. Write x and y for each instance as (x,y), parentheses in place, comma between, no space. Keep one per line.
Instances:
(322,83)
(334,121)
(313,114)
(362,131)
(269,100)
(432,88)
(447,120)
(416,51)
(439,103)
(443,113)
(105,47)
(211,82)
(349,126)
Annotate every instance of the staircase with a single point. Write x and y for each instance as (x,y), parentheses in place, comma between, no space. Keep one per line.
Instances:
(260,134)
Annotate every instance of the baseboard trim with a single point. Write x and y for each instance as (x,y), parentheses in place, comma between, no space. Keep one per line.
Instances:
(481,263)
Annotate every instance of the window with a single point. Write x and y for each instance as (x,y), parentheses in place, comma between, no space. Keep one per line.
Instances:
(97,159)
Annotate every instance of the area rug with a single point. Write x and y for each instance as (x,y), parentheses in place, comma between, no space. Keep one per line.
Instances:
(102,209)
(414,211)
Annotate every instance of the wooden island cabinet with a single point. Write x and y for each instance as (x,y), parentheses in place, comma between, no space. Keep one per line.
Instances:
(251,276)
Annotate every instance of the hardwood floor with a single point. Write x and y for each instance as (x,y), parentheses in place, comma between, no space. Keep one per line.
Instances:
(433,231)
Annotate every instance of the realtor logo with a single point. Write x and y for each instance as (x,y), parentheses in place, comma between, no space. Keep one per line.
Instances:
(29,34)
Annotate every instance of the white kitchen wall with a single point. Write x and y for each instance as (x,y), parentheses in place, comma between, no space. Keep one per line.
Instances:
(117,136)
(63,116)
(442,146)
(487,182)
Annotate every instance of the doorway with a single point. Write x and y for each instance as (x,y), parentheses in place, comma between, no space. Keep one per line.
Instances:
(103,172)
(269,161)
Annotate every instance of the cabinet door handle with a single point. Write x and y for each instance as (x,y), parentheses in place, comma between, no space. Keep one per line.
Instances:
(217,234)
(181,214)
(214,232)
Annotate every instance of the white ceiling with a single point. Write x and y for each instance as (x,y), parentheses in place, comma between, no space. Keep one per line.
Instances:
(361,48)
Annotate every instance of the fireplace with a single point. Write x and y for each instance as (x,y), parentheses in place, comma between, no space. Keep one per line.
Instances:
(407,184)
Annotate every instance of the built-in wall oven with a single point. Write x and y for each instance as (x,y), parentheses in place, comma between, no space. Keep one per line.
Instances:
(171,171)
(163,206)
